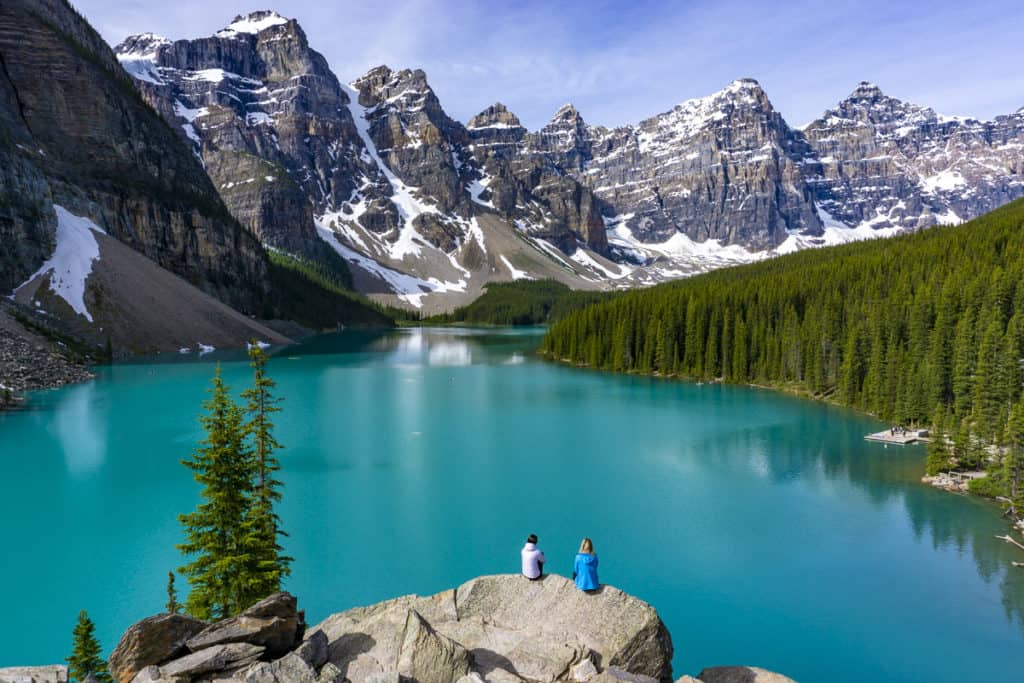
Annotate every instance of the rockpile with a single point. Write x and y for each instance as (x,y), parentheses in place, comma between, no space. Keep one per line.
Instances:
(493,629)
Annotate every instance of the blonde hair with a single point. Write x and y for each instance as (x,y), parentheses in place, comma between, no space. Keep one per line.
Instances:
(587,546)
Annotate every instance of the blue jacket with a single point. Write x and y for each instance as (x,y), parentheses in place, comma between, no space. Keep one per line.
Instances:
(585,572)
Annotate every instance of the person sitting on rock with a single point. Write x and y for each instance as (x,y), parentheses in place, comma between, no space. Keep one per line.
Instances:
(533,559)
(584,571)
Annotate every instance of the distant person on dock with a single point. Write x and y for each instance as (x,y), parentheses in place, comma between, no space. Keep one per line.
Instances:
(533,559)
(584,571)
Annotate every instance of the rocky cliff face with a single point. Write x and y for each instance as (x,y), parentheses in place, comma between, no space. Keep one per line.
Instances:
(82,137)
(890,164)
(375,169)
(724,168)
(266,116)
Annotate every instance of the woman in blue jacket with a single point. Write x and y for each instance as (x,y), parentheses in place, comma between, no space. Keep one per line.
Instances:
(584,571)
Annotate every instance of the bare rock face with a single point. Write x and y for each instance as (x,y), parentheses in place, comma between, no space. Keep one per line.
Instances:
(429,657)
(268,119)
(511,628)
(723,167)
(152,641)
(893,164)
(273,623)
(82,137)
(211,660)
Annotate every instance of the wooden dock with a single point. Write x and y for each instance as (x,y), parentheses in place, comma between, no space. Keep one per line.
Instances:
(899,438)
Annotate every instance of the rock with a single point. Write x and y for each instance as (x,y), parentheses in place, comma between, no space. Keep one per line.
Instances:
(57,673)
(212,659)
(472,677)
(613,674)
(429,657)
(329,673)
(619,629)
(97,149)
(272,623)
(741,674)
(289,669)
(313,649)
(513,629)
(688,679)
(151,674)
(584,671)
(152,641)
(390,677)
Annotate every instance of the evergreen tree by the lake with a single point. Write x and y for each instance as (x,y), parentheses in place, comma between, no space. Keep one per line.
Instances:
(268,565)
(172,605)
(216,535)
(85,656)
(923,329)
(233,535)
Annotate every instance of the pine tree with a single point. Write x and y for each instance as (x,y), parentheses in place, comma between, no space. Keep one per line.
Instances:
(267,563)
(85,656)
(1013,462)
(938,447)
(216,531)
(172,595)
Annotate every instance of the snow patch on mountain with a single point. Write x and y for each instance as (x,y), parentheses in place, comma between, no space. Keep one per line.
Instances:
(254,23)
(140,61)
(409,207)
(71,263)
(409,288)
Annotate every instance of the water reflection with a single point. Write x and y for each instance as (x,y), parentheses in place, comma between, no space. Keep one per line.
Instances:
(79,425)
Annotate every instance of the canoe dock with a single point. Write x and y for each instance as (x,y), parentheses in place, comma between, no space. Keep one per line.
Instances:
(899,438)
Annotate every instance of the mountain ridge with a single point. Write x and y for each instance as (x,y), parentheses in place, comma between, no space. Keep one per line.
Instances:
(713,181)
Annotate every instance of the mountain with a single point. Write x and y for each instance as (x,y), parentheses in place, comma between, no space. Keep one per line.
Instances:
(890,164)
(116,232)
(426,211)
(374,170)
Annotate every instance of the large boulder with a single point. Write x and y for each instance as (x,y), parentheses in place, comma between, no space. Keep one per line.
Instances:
(152,641)
(429,657)
(214,659)
(512,628)
(273,623)
(741,674)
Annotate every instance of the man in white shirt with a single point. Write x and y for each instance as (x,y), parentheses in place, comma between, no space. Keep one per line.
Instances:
(533,559)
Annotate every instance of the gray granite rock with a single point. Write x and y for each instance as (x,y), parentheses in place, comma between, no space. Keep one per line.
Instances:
(512,628)
(426,656)
(152,641)
(212,659)
(273,623)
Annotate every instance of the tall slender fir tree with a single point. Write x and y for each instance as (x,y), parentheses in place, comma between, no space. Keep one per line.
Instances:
(216,533)
(85,659)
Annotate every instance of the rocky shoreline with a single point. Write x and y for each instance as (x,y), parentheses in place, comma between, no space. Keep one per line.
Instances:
(30,361)
(492,629)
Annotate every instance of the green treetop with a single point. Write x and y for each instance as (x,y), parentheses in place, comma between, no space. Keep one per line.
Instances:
(85,656)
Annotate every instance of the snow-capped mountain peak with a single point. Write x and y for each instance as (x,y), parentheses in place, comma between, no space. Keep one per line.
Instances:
(252,23)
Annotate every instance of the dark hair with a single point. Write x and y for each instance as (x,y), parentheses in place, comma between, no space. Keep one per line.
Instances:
(532,538)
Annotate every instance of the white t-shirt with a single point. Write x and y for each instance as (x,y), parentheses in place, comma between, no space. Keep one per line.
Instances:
(532,561)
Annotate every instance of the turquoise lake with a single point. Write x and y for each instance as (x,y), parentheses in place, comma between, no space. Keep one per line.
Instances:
(763,528)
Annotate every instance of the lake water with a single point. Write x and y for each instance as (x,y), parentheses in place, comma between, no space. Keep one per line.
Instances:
(763,527)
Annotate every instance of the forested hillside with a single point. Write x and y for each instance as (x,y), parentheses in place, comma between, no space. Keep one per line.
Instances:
(524,302)
(923,329)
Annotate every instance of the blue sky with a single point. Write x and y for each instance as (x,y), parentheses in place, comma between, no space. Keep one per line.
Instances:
(620,62)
